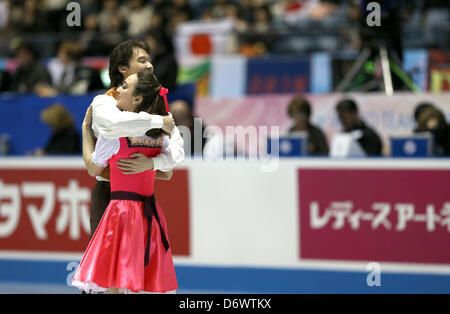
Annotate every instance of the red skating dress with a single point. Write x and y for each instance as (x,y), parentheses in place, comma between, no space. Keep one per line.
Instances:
(120,254)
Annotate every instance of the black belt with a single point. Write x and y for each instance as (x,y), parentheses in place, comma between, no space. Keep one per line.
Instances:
(149,211)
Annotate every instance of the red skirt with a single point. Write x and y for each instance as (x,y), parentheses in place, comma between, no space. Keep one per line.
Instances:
(115,254)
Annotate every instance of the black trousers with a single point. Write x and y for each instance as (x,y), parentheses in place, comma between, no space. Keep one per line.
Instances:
(100,197)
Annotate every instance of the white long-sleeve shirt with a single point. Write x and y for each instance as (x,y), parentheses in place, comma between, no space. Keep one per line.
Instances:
(110,122)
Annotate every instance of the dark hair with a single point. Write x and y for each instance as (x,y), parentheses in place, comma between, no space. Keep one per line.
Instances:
(299,104)
(73,49)
(160,36)
(29,47)
(121,55)
(148,87)
(347,105)
(421,108)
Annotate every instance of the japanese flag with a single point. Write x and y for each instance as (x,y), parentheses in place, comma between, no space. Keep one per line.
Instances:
(203,38)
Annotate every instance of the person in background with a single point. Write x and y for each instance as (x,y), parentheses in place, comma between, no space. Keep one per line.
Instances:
(185,7)
(430,119)
(30,72)
(65,138)
(28,17)
(183,116)
(218,8)
(417,112)
(163,57)
(89,38)
(5,7)
(109,11)
(213,146)
(350,119)
(137,15)
(299,110)
(232,12)
(68,74)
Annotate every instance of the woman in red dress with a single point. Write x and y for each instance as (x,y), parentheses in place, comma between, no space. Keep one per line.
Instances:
(130,251)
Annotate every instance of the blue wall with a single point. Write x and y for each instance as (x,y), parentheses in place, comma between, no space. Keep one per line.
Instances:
(204,279)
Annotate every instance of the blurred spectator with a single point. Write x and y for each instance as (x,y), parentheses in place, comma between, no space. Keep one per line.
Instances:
(54,4)
(206,15)
(91,23)
(5,6)
(232,12)
(101,44)
(28,17)
(115,34)
(262,19)
(209,145)
(184,119)
(219,8)
(65,138)
(239,26)
(88,6)
(163,58)
(436,23)
(162,9)
(300,111)
(175,19)
(137,15)
(351,121)
(258,38)
(29,71)
(90,37)
(430,119)
(69,76)
(246,10)
(5,17)
(417,112)
(184,7)
(109,12)
(161,6)
(158,21)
